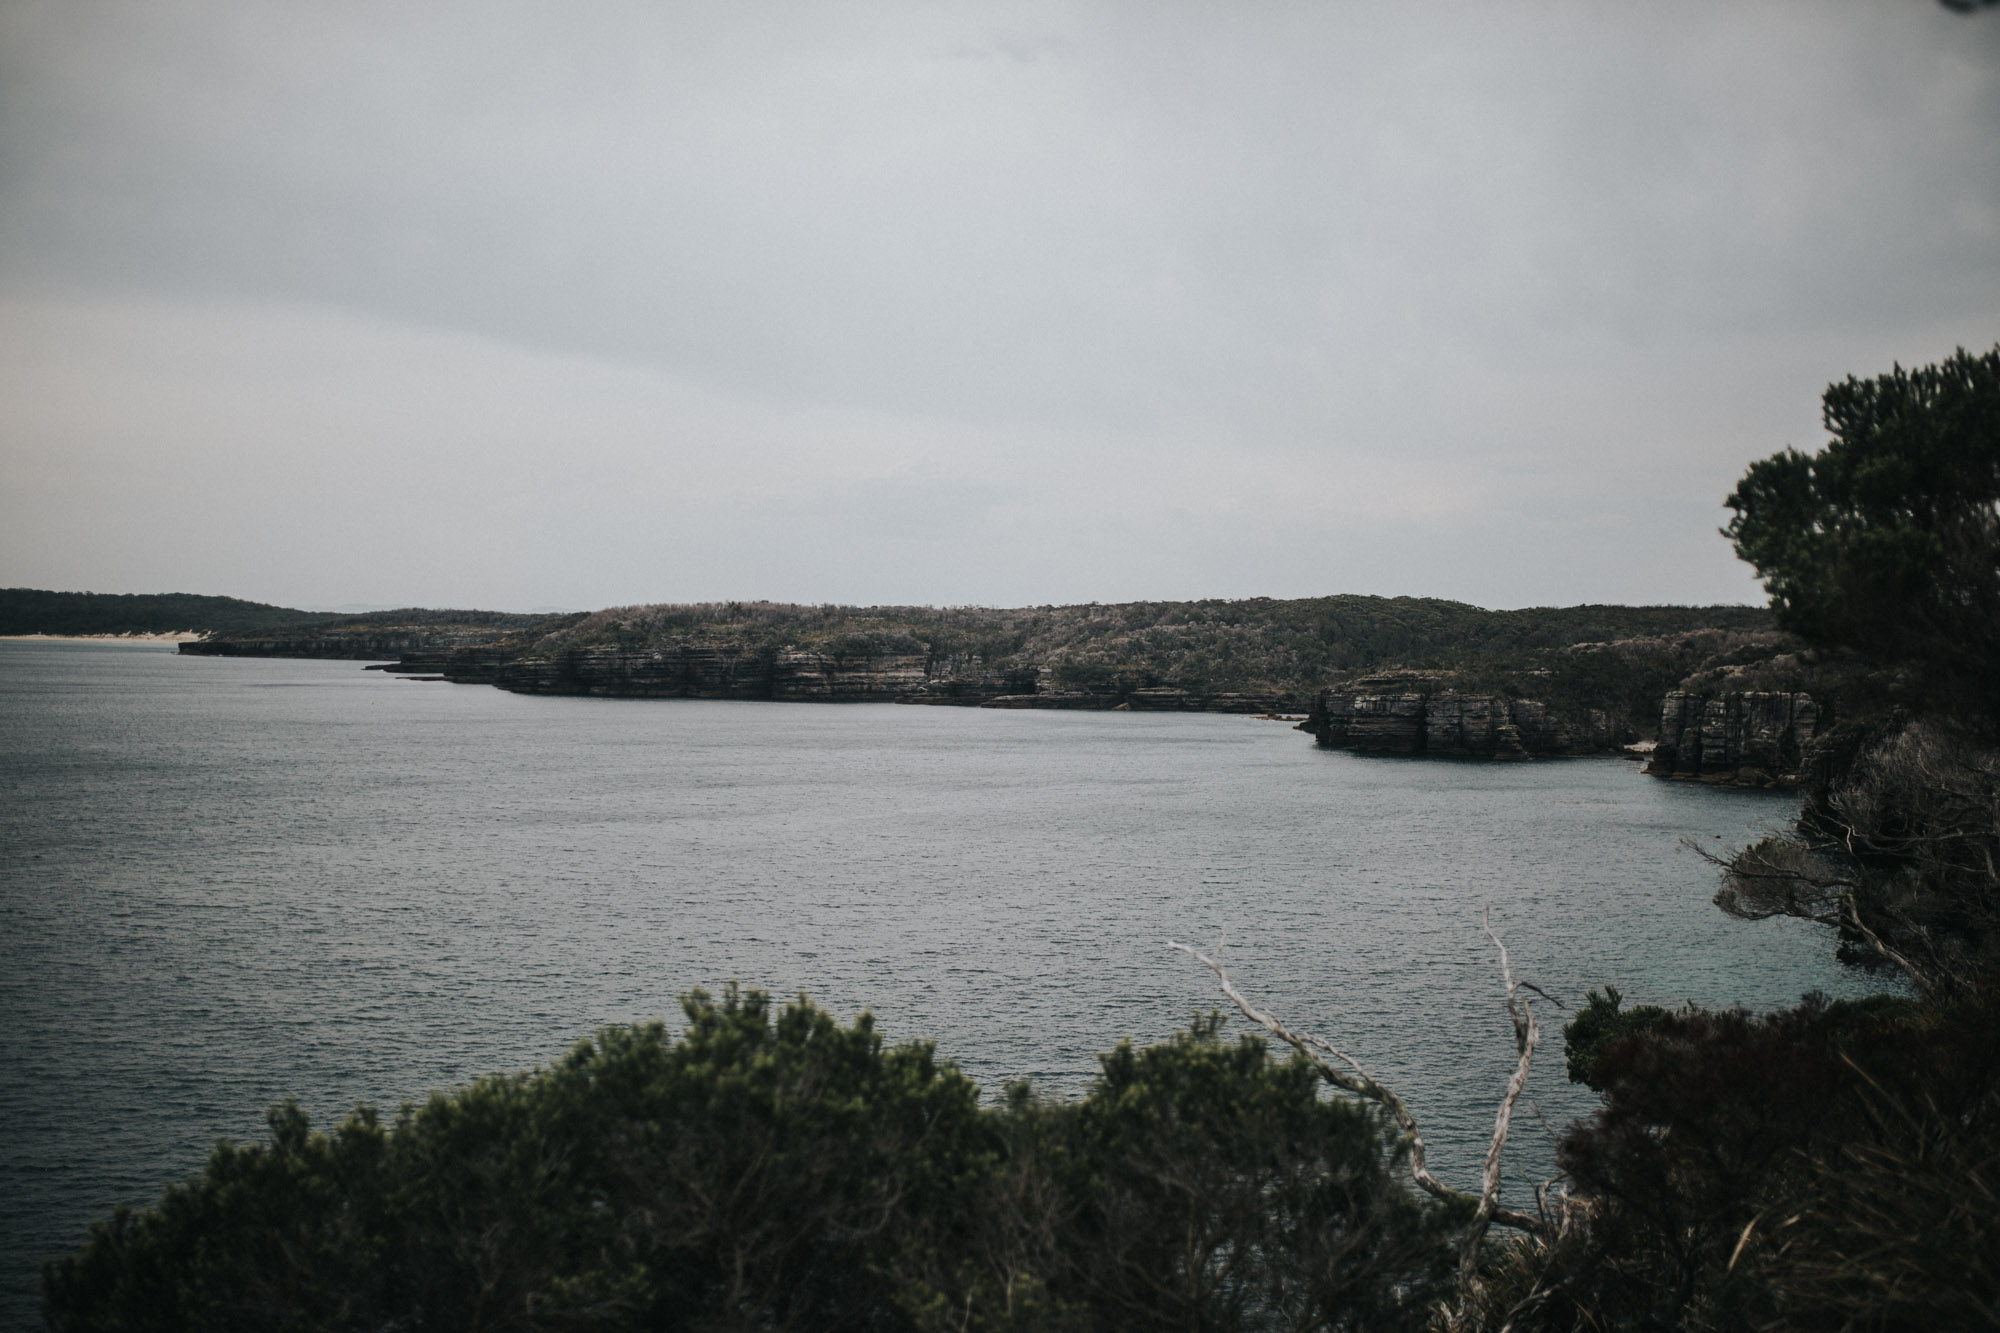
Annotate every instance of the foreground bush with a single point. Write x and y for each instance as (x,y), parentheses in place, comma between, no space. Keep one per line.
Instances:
(1829,1167)
(776,1170)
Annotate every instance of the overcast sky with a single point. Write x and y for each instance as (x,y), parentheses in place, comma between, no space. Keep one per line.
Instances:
(521,305)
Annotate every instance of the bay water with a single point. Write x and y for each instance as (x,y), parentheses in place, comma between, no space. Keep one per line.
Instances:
(224,882)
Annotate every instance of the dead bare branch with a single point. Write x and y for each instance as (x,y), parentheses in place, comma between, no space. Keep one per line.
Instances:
(1346,1073)
(1527,1035)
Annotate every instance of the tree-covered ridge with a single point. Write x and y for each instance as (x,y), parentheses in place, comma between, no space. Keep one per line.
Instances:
(773,1169)
(37,611)
(425,616)
(1253,644)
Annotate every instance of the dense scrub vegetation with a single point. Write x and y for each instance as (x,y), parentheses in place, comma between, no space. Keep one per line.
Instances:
(1620,658)
(423,616)
(776,1170)
(34,611)
(37,611)
(1831,1166)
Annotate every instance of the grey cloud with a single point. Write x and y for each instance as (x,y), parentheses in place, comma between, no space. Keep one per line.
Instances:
(1474,238)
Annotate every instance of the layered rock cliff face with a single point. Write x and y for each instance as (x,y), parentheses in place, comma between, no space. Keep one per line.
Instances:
(710,671)
(1754,738)
(1449,723)
(1248,656)
(1152,699)
(706,671)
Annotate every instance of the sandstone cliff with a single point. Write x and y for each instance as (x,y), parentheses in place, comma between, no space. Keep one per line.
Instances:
(1453,724)
(730,671)
(1752,738)
(1248,655)
(1153,699)
(1536,681)
(715,671)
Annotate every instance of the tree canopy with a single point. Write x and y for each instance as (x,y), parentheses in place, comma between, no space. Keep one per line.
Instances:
(1887,541)
(775,1169)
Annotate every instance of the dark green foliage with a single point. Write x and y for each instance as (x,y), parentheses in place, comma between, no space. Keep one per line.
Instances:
(1219,1192)
(1898,849)
(1887,541)
(34,611)
(1615,657)
(1599,1025)
(281,1236)
(778,1170)
(1898,1229)
(1739,1165)
(427,617)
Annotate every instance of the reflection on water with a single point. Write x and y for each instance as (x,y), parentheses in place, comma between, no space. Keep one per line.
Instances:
(216,892)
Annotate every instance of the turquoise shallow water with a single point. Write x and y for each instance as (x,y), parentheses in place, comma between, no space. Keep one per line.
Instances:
(223,882)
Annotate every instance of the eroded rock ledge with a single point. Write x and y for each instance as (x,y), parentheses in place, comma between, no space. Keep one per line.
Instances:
(711,671)
(1752,738)
(1448,723)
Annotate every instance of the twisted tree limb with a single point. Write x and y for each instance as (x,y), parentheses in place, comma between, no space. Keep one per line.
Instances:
(1527,1035)
(1487,1211)
(1353,1078)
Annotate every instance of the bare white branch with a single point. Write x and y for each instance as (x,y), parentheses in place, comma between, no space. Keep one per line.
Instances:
(1349,1076)
(1527,1035)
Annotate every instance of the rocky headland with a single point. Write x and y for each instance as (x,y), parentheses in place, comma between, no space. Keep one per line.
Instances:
(44,613)
(1394,675)
(1744,738)
(738,671)
(423,639)
(1419,713)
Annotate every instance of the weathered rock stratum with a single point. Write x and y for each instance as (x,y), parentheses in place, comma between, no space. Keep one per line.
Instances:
(730,671)
(1548,680)
(1448,723)
(1751,738)
(716,671)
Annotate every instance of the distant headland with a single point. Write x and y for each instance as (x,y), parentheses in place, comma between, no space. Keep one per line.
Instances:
(1406,675)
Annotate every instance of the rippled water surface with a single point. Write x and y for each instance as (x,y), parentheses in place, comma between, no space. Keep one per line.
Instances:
(223,882)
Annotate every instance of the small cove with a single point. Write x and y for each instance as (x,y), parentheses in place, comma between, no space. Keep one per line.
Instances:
(227,881)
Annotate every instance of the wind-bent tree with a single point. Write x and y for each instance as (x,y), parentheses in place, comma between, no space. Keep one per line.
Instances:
(1887,541)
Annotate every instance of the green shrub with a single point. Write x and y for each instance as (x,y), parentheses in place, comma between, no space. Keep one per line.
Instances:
(777,1170)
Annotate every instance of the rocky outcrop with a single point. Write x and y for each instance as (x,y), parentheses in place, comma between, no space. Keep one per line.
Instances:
(711,671)
(1754,738)
(379,646)
(1449,723)
(1150,699)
